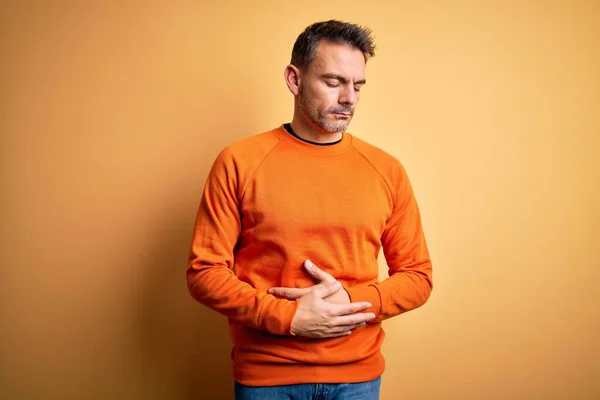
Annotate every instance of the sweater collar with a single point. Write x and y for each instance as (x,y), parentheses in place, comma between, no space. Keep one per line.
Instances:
(313,148)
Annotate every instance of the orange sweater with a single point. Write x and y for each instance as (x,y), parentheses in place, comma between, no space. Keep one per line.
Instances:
(272,201)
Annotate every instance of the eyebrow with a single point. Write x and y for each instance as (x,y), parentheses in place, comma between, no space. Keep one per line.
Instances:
(342,79)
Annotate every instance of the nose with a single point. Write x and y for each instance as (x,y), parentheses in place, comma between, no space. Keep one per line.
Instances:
(348,96)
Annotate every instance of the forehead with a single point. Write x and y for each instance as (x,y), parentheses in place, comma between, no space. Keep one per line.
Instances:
(339,59)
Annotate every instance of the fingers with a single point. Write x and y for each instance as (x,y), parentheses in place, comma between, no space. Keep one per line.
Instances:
(334,335)
(346,328)
(354,319)
(288,293)
(346,309)
(337,331)
(322,291)
(317,272)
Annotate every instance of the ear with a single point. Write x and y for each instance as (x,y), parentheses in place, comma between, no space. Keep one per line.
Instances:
(292,79)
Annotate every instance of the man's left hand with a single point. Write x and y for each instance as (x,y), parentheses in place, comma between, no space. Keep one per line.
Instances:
(339,297)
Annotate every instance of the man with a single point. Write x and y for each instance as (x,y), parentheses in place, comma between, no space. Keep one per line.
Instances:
(289,229)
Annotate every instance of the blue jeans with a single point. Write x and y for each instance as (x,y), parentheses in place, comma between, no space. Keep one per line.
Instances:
(319,391)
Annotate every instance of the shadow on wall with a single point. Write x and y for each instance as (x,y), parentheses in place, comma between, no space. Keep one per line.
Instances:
(184,347)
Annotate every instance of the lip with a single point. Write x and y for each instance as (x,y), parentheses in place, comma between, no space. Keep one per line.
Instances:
(343,114)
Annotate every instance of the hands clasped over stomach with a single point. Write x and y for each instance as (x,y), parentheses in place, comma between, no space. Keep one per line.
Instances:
(324,310)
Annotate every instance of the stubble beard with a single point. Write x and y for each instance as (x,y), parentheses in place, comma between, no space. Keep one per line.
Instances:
(319,117)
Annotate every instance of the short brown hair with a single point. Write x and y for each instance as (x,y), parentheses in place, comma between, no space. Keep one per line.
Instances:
(332,31)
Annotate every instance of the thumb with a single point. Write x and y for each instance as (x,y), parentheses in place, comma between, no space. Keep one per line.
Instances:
(322,291)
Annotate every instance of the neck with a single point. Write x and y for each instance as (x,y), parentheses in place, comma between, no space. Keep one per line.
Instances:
(307,130)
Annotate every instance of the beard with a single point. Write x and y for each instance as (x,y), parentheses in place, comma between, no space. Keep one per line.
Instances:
(319,116)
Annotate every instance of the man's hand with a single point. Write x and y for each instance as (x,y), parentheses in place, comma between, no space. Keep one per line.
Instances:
(320,318)
(339,297)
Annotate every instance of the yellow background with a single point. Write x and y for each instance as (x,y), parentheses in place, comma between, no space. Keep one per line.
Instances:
(112,112)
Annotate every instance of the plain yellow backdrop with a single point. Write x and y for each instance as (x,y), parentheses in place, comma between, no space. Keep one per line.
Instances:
(112,112)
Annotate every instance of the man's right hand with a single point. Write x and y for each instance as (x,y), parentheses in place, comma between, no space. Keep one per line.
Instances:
(317,318)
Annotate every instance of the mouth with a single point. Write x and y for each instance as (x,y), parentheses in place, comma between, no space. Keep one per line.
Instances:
(345,115)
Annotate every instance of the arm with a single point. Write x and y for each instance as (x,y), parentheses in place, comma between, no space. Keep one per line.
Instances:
(210,276)
(410,274)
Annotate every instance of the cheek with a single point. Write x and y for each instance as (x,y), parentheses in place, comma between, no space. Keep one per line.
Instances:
(323,97)
(328,99)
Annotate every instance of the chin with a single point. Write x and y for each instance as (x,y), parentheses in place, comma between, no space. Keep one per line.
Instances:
(341,127)
(335,127)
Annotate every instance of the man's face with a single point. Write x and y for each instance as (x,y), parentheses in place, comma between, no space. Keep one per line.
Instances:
(330,86)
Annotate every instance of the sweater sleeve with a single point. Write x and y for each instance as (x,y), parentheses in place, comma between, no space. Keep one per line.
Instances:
(210,277)
(409,266)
